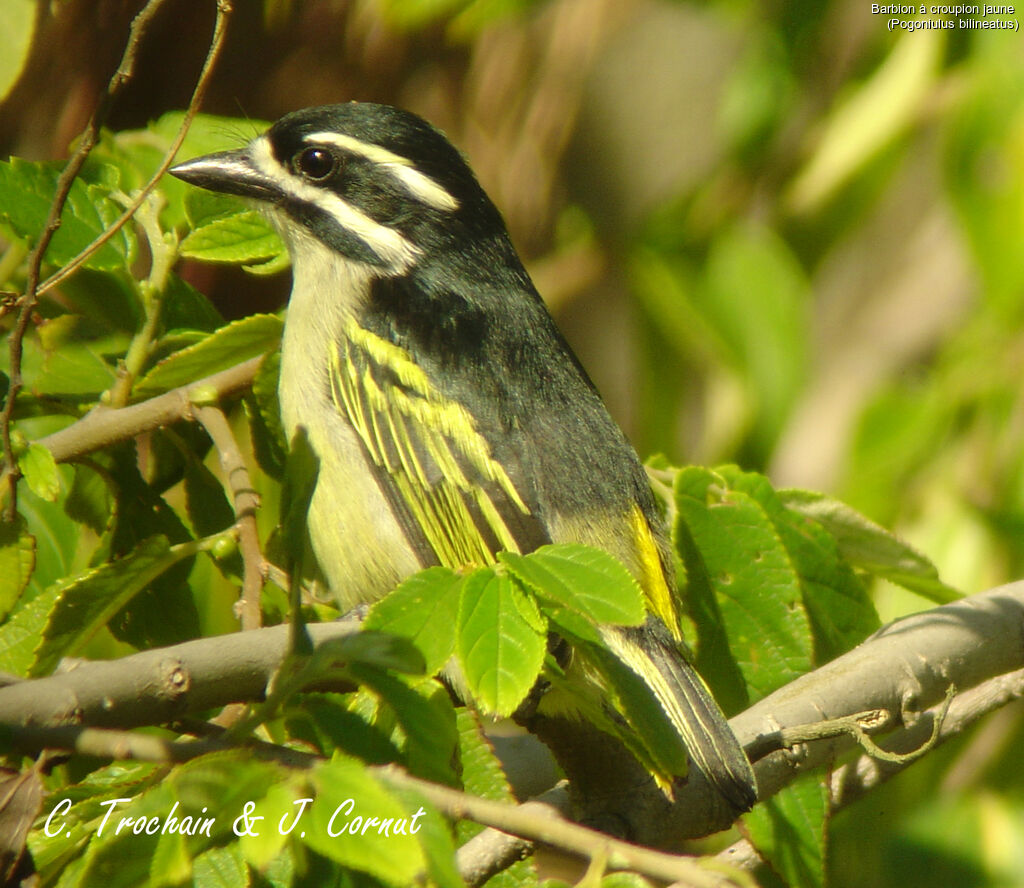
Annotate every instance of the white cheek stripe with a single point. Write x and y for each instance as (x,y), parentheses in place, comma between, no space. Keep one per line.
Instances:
(416,183)
(388,244)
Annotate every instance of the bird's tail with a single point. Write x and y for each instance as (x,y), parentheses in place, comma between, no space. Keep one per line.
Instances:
(650,652)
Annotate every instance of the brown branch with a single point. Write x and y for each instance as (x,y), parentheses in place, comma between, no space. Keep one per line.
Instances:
(120,78)
(104,426)
(246,502)
(976,644)
(158,686)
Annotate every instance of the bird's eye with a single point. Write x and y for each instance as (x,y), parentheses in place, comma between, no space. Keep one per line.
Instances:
(316,163)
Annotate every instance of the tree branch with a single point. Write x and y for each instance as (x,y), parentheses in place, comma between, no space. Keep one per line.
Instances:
(976,644)
(245,502)
(104,426)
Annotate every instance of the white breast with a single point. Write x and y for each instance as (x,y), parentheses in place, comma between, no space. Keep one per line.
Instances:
(359,545)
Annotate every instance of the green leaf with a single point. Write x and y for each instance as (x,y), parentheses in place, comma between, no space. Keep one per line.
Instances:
(17,560)
(19,636)
(219,868)
(435,838)
(427,719)
(238,341)
(185,308)
(109,299)
(89,500)
(752,575)
(583,579)
(498,641)
(17,25)
(297,489)
(840,610)
(75,370)
(86,603)
(423,609)
(269,443)
(165,611)
(237,238)
(57,536)
(39,469)
(870,547)
(482,773)
(212,787)
(329,723)
(26,193)
(206,500)
(348,816)
(789,830)
(375,649)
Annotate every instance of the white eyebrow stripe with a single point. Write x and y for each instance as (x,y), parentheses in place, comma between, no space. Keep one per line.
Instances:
(387,243)
(416,183)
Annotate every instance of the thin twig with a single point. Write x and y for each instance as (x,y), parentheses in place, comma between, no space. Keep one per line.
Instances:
(552,830)
(120,78)
(246,502)
(198,94)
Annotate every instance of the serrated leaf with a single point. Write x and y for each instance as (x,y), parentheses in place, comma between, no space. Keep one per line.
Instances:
(347,799)
(583,579)
(219,868)
(789,830)
(273,265)
(87,602)
(241,237)
(73,371)
(57,537)
(841,611)
(756,585)
(499,648)
(19,636)
(39,469)
(482,773)
(427,718)
(89,501)
(870,547)
(328,722)
(185,308)
(26,193)
(214,786)
(423,609)
(435,837)
(238,341)
(269,443)
(17,560)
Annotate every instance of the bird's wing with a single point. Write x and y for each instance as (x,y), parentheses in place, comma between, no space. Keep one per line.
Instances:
(437,469)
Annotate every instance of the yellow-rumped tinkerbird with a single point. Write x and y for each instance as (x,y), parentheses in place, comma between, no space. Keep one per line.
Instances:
(450,417)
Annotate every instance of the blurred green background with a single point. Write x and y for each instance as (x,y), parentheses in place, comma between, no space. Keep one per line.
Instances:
(777,234)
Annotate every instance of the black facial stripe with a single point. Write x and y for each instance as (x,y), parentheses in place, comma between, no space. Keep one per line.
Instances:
(325,228)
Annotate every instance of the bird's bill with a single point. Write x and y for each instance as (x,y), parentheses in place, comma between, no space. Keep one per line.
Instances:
(229,172)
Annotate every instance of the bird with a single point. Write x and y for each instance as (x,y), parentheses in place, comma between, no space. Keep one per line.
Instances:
(450,417)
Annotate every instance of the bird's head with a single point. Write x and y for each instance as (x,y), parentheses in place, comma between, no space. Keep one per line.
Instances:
(376,185)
